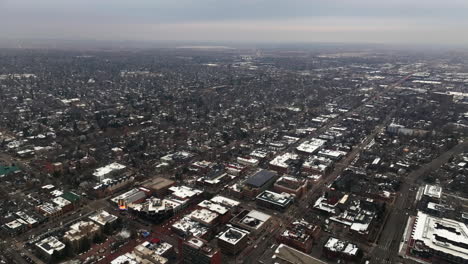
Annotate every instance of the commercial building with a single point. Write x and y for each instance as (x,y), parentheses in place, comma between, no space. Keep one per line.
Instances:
(288,184)
(340,249)
(108,171)
(258,182)
(103,218)
(197,251)
(159,186)
(253,221)
(311,147)
(109,186)
(276,201)
(204,217)
(439,239)
(300,235)
(50,246)
(288,255)
(233,240)
(432,193)
(82,230)
(187,227)
(283,162)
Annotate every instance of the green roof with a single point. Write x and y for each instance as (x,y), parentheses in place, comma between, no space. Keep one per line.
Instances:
(71,196)
(8,169)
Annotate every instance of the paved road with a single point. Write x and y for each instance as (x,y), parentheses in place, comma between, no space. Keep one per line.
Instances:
(386,250)
(322,183)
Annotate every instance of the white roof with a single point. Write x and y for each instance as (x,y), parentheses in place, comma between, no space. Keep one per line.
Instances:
(50,245)
(430,230)
(190,227)
(336,245)
(281,199)
(225,201)
(103,217)
(61,202)
(233,235)
(184,192)
(280,161)
(259,215)
(433,191)
(203,215)
(311,146)
(100,172)
(214,207)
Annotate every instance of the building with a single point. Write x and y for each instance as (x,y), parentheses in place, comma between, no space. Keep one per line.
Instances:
(133,196)
(49,246)
(258,182)
(432,193)
(103,218)
(133,258)
(187,227)
(339,249)
(108,171)
(282,163)
(276,201)
(156,209)
(80,231)
(247,161)
(205,217)
(300,235)
(253,221)
(109,186)
(288,184)
(233,240)
(184,193)
(197,251)
(439,239)
(159,186)
(311,147)
(288,255)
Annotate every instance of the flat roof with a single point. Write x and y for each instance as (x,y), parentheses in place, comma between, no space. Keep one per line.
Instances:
(100,172)
(291,255)
(204,215)
(344,247)
(233,235)
(281,199)
(225,201)
(214,207)
(159,183)
(103,217)
(50,245)
(260,178)
(433,191)
(441,234)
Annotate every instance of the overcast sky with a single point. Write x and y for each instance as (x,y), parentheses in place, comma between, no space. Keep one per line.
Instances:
(375,21)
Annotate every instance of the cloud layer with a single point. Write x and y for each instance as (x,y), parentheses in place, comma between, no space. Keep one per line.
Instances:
(377,21)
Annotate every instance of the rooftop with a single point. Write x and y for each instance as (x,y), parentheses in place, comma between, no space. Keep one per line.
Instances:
(184,192)
(344,247)
(282,160)
(103,217)
(204,216)
(260,178)
(441,234)
(433,191)
(50,245)
(281,199)
(291,255)
(233,235)
(103,171)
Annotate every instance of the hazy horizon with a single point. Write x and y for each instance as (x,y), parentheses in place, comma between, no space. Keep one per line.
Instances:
(428,22)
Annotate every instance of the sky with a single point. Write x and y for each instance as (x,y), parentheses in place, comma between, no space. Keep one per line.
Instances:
(429,22)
